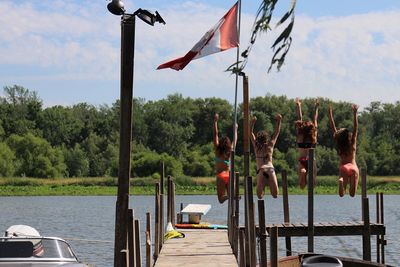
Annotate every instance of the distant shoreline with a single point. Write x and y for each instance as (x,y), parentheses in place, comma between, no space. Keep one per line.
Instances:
(145,186)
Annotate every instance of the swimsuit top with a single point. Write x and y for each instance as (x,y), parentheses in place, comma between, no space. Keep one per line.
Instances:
(226,161)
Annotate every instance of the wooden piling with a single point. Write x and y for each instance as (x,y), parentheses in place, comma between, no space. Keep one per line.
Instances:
(382,240)
(251,231)
(180,215)
(242,261)
(173,203)
(366,232)
(274,246)
(286,215)
(310,183)
(262,233)
(378,220)
(169,194)
(138,256)
(246,126)
(149,261)
(161,225)
(363,190)
(236,216)
(131,239)
(246,223)
(157,223)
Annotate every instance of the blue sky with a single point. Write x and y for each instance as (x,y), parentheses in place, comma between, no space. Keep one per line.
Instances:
(69,51)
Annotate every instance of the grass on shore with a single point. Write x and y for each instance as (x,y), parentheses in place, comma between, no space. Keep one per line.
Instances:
(184,186)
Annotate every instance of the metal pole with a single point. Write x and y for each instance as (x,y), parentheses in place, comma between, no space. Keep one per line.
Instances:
(246,128)
(310,183)
(232,165)
(122,204)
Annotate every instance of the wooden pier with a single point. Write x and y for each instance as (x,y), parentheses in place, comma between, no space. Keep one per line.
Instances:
(199,248)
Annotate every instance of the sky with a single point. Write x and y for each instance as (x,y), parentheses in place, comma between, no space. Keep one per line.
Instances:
(68,51)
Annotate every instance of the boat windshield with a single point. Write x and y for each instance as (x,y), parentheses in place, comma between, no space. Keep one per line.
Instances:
(35,249)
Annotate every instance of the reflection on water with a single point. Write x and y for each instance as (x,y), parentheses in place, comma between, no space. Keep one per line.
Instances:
(88,222)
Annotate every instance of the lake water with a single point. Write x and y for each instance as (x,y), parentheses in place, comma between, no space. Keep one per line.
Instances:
(88,222)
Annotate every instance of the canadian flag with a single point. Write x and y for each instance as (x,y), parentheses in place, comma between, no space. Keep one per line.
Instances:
(223,36)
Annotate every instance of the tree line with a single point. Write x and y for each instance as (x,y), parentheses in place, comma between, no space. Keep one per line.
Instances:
(83,140)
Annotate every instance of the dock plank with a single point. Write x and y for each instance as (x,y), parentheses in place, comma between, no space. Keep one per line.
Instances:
(199,247)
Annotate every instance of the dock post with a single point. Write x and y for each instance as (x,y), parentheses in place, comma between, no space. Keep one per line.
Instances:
(246,224)
(366,232)
(242,262)
(157,223)
(131,239)
(274,246)
(180,215)
(169,194)
(236,220)
(363,190)
(148,240)
(173,203)
(161,225)
(380,239)
(125,137)
(262,233)
(286,216)
(246,157)
(310,183)
(251,231)
(138,255)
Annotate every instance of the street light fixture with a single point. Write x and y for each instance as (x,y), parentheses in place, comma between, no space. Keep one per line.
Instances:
(117,7)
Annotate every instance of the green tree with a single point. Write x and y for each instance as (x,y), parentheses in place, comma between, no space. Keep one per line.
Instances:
(7,158)
(76,161)
(170,125)
(35,157)
(19,110)
(60,126)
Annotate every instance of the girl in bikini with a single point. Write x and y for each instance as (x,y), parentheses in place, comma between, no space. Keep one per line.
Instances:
(346,148)
(223,149)
(263,148)
(306,135)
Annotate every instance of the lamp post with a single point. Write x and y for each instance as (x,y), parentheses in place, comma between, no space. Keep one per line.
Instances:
(116,7)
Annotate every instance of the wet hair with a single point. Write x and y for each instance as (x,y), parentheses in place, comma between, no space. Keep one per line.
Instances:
(308,131)
(343,141)
(224,146)
(262,137)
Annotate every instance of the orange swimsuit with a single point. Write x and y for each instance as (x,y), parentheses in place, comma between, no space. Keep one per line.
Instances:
(224,176)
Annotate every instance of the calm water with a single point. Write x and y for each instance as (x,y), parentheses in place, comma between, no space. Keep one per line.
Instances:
(88,222)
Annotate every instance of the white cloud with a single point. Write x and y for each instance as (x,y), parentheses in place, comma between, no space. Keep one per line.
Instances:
(334,57)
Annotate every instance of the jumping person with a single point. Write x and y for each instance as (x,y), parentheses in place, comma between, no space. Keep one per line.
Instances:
(223,148)
(263,146)
(346,143)
(306,135)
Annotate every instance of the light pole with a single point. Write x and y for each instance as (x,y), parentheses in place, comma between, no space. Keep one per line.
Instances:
(116,7)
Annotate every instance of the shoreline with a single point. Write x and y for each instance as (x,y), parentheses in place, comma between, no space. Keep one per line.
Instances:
(106,186)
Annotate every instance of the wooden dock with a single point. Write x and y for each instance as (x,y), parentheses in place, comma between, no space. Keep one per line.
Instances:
(200,247)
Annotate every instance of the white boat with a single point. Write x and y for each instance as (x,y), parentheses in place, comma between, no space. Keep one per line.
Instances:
(23,246)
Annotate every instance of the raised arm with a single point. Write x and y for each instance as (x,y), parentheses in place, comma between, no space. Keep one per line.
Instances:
(332,122)
(299,114)
(355,127)
(316,113)
(278,119)
(252,136)
(215,130)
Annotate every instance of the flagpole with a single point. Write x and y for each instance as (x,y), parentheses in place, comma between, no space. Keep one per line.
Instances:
(232,172)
